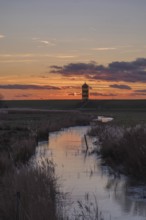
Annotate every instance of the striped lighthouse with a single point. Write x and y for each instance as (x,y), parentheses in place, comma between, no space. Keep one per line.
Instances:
(85,92)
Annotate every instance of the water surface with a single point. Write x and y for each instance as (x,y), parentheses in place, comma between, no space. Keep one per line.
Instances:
(81,175)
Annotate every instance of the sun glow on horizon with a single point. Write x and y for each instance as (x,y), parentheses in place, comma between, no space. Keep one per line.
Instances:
(59,45)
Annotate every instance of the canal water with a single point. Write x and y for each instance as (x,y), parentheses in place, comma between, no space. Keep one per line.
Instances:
(82,177)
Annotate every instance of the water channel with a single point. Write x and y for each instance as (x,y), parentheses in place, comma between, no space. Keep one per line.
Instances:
(81,175)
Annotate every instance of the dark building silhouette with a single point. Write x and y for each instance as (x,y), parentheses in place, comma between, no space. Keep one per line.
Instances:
(85,92)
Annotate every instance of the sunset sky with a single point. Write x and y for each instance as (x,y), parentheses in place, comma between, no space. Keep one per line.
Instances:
(49,48)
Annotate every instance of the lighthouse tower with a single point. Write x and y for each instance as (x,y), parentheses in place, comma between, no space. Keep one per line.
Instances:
(85,92)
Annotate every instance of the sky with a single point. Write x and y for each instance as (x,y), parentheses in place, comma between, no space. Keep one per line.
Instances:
(48,49)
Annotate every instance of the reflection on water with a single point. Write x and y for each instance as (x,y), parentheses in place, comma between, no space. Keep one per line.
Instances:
(80,174)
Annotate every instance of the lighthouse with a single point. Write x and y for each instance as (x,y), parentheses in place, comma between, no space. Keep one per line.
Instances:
(85,92)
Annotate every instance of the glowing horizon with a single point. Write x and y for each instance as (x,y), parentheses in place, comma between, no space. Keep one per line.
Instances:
(76,38)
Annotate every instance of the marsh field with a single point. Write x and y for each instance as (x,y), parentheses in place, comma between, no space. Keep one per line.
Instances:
(22,126)
(100,105)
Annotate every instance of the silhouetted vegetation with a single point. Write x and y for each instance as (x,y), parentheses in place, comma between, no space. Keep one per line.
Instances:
(39,196)
(123,148)
(39,192)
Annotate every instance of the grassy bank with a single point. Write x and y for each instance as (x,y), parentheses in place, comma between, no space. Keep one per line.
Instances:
(31,193)
(34,189)
(123,148)
(21,130)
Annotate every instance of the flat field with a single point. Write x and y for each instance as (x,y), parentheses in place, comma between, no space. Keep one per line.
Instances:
(123,111)
(103,105)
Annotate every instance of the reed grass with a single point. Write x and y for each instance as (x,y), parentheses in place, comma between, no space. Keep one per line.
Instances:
(87,209)
(40,197)
(38,194)
(123,148)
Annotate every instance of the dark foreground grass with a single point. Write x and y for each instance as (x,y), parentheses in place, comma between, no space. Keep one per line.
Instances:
(40,198)
(123,148)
